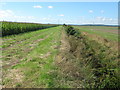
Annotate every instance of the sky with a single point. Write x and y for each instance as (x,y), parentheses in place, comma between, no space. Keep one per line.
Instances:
(60,12)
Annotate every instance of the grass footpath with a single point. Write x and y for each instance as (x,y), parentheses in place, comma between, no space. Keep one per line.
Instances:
(28,59)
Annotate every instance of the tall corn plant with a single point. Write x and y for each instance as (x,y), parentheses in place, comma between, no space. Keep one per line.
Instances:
(10,28)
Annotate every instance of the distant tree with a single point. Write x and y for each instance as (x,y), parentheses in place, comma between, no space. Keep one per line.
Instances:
(64,24)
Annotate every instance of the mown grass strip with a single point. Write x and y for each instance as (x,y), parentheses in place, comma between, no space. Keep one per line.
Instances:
(38,64)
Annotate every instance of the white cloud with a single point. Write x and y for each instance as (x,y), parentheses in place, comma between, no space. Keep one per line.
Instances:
(6,13)
(90,11)
(103,19)
(46,18)
(110,19)
(61,15)
(50,6)
(9,15)
(102,11)
(37,6)
(95,20)
(2,4)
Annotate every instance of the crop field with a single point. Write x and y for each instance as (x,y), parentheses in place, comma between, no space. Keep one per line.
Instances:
(107,32)
(10,28)
(61,57)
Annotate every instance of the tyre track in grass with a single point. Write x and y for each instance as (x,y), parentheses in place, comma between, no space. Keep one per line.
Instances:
(16,58)
(25,37)
(15,74)
(13,41)
(25,48)
(45,48)
(11,52)
(25,42)
(44,68)
(22,36)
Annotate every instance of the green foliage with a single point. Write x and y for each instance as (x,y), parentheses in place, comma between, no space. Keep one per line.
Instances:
(71,31)
(18,85)
(98,69)
(104,68)
(10,28)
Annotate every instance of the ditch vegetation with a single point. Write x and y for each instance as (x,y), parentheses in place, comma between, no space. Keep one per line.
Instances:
(86,63)
(58,57)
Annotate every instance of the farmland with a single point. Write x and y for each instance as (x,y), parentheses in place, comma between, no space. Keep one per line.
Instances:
(10,28)
(30,54)
(97,58)
(61,57)
(107,32)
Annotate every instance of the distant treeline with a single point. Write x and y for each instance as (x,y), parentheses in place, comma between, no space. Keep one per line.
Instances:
(10,28)
(97,25)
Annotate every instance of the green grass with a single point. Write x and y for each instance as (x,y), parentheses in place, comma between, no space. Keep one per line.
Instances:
(107,35)
(33,55)
(98,64)
(37,64)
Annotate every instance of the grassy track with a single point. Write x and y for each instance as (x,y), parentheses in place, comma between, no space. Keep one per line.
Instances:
(28,58)
(50,58)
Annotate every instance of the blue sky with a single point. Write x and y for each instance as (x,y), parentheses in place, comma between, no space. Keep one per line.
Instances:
(60,12)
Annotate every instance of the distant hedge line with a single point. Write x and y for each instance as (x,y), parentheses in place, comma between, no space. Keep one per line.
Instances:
(10,28)
(71,31)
